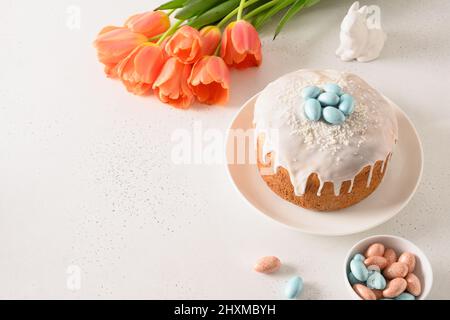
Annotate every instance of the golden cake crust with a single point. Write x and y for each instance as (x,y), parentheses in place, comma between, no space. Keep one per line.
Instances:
(280,183)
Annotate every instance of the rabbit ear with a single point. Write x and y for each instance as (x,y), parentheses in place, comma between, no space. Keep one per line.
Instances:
(354,7)
(364,10)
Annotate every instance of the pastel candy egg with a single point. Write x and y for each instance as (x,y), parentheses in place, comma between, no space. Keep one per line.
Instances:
(293,287)
(347,106)
(409,259)
(396,270)
(268,264)
(364,292)
(352,279)
(359,257)
(333,115)
(390,256)
(311,92)
(328,99)
(381,262)
(376,281)
(405,296)
(333,88)
(376,249)
(313,109)
(359,270)
(413,284)
(373,268)
(394,288)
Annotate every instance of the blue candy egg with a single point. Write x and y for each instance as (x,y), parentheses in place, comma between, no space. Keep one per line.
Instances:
(376,281)
(333,88)
(328,99)
(313,109)
(359,257)
(358,268)
(352,279)
(334,116)
(294,287)
(311,92)
(346,104)
(405,296)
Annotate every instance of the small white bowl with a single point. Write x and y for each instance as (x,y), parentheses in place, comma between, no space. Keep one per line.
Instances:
(422,270)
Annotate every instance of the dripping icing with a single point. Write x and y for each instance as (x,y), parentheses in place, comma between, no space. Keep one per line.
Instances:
(335,153)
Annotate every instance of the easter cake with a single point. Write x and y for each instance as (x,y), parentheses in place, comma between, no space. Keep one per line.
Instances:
(323,138)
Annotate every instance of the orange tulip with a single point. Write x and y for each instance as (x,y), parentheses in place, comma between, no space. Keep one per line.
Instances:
(211,36)
(172,87)
(140,69)
(150,23)
(241,47)
(185,45)
(210,80)
(113,44)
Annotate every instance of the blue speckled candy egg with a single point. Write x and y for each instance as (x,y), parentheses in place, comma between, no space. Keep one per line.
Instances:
(294,287)
(313,109)
(376,281)
(359,257)
(333,115)
(352,279)
(405,296)
(311,92)
(328,99)
(333,88)
(359,270)
(347,104)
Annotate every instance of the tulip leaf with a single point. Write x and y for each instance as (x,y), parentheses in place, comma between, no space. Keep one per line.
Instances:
(196,7)
(214,14)
(174,4)
(263,18)
(293,10)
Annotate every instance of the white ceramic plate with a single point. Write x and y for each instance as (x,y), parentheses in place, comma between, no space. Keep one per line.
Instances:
(395,191)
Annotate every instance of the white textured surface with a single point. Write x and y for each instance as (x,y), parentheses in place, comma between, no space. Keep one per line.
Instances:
(86,176)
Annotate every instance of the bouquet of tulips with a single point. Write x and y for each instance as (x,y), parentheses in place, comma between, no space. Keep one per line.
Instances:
(189,59)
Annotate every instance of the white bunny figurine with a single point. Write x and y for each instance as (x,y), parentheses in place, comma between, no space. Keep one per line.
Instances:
(359,39)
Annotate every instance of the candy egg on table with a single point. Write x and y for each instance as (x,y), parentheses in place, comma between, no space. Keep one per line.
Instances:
(328,99)
(267,264)
(313,109)
(294,287)
(333,115)
(311,92)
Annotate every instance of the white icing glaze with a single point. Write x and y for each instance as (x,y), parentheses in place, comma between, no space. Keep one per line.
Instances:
(360,38)
(336,153)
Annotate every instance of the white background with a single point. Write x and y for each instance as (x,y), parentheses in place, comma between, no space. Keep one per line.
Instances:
(86,176)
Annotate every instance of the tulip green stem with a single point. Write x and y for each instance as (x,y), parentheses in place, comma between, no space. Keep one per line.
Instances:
(169,13)
(260,9)
(170,31)
(240,10)
(234,12)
